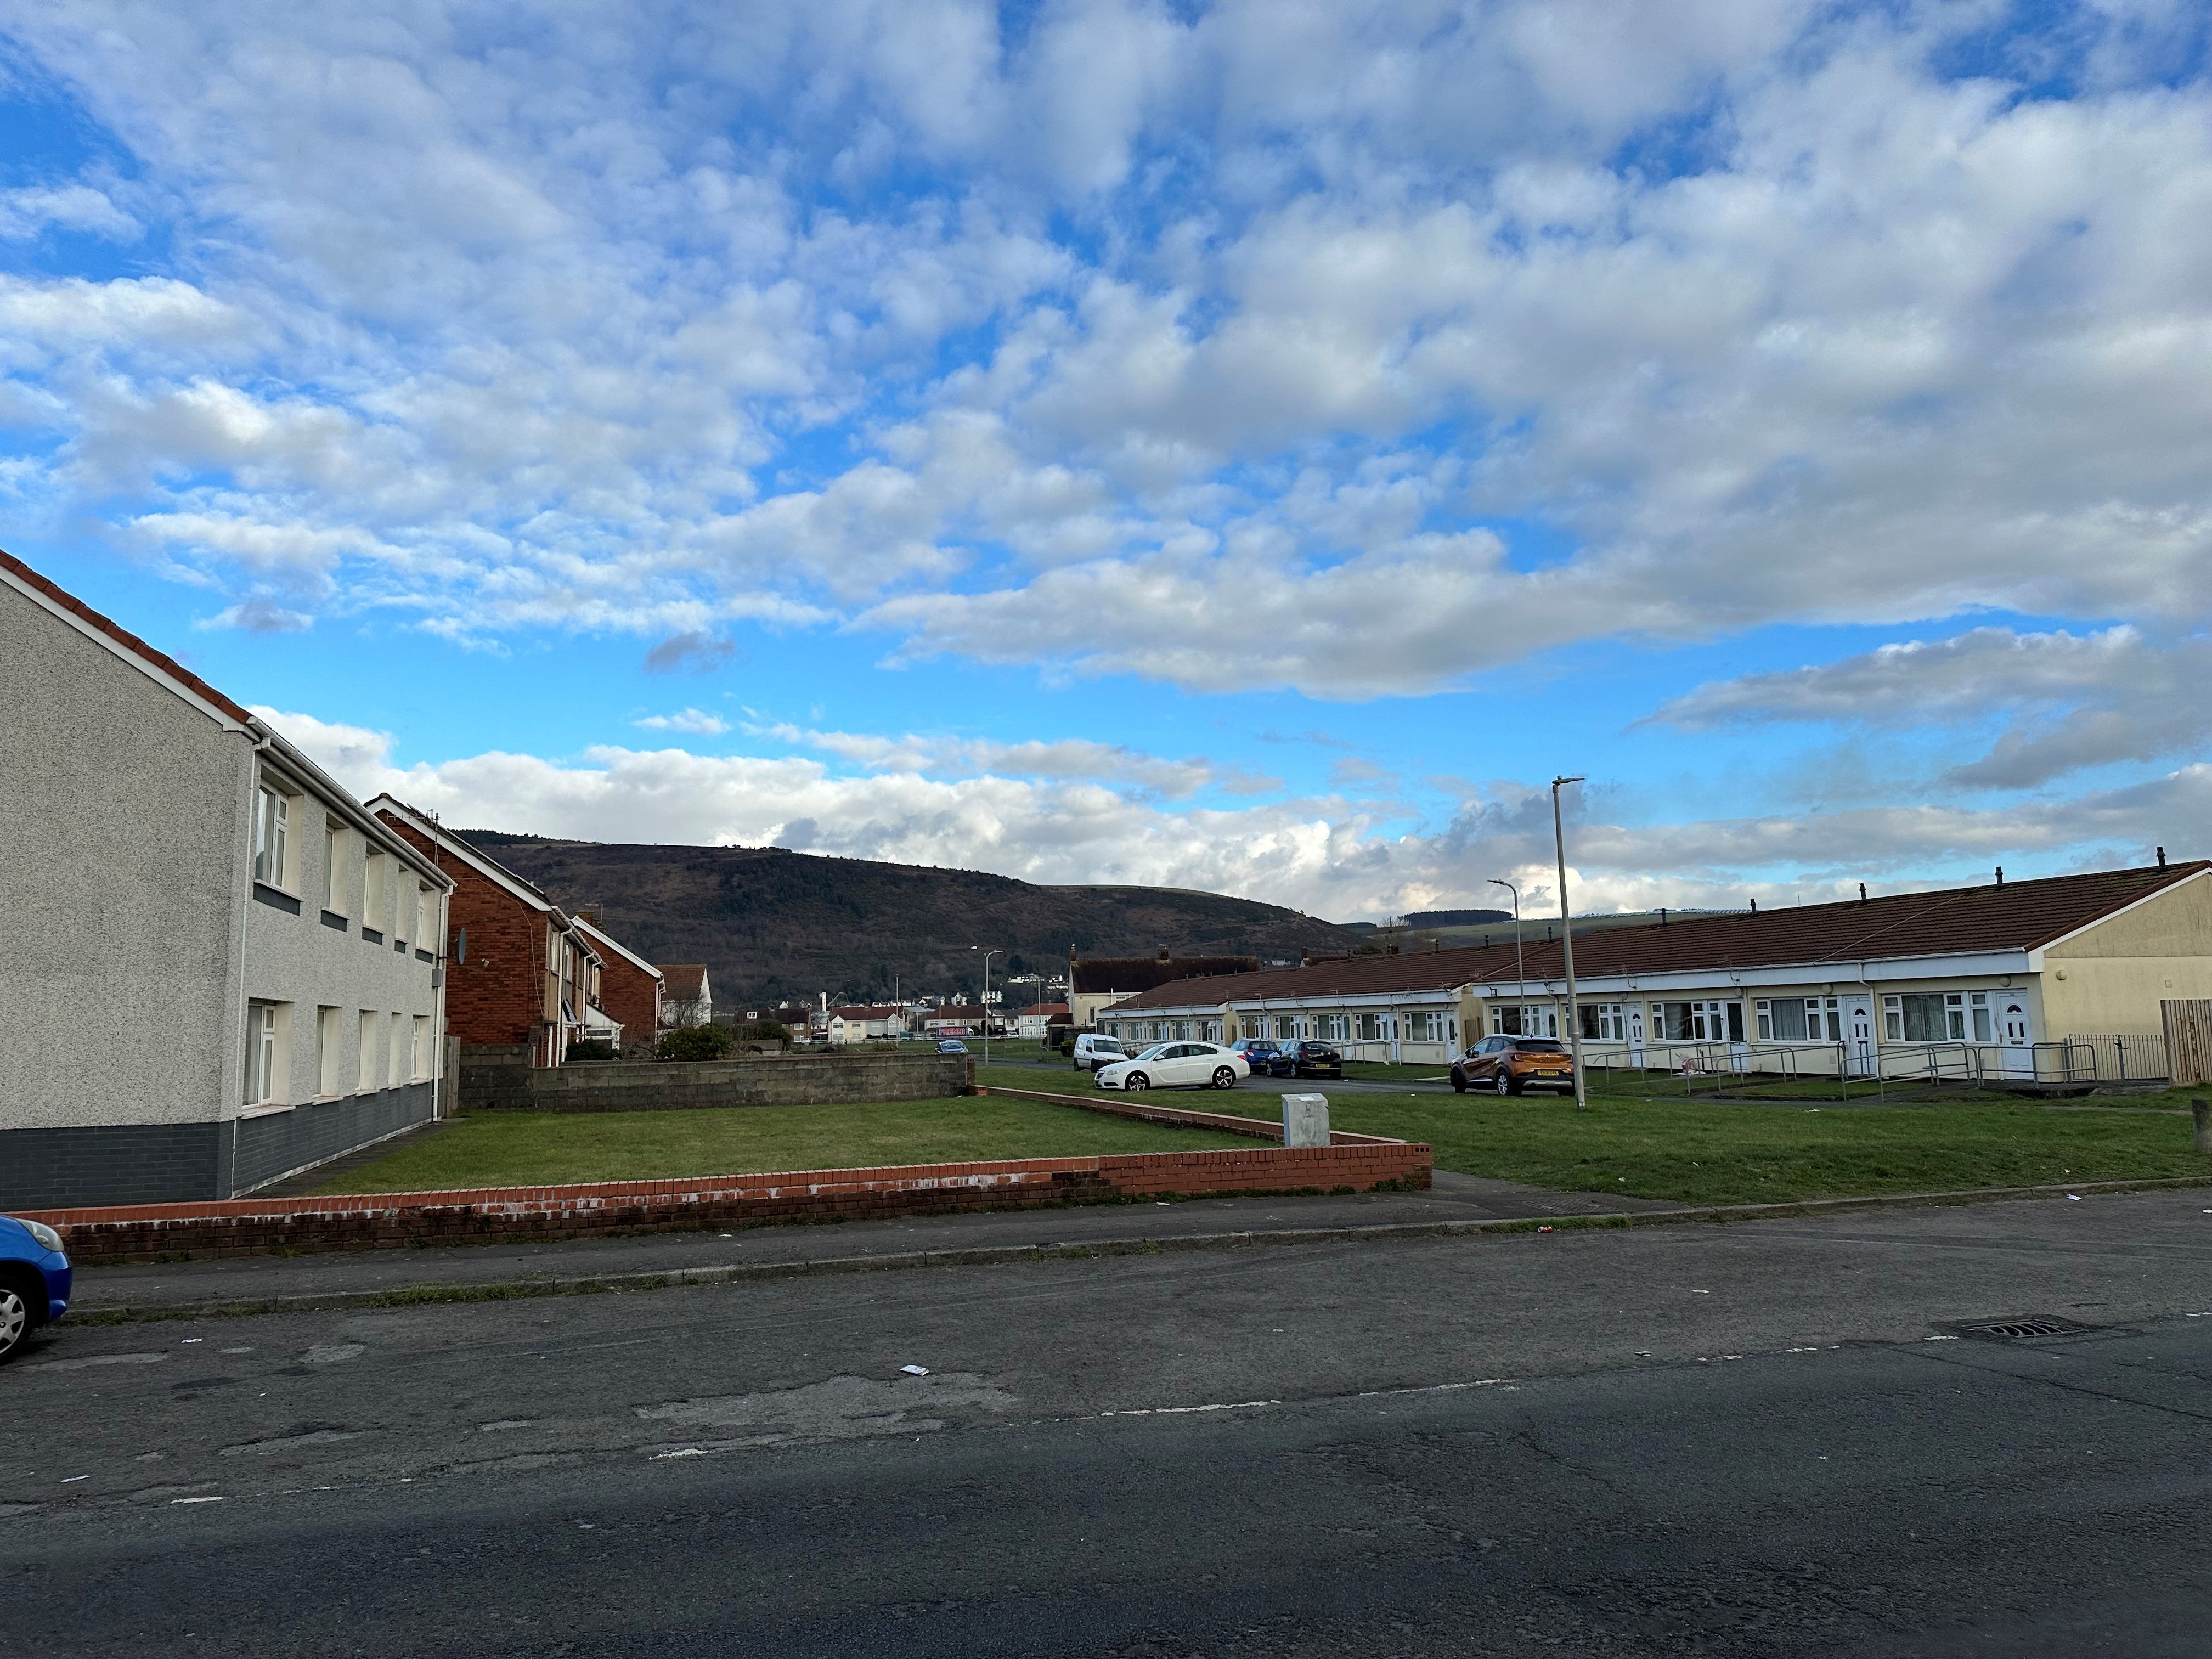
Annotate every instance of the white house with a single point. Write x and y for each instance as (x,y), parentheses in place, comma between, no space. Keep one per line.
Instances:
(225,971)
(861,1024)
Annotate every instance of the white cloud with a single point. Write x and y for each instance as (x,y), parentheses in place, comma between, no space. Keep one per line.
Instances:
(1065,758)
(28,212)
(697,720)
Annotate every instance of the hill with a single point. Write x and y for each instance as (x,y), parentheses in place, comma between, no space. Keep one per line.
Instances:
(772,924)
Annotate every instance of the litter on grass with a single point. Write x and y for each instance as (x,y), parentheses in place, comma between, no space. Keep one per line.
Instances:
(915,1370)
(1543,1230)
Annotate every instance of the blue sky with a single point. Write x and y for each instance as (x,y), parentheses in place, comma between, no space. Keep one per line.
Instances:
(1247,446)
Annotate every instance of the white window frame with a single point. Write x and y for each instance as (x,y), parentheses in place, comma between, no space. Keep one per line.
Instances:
(330,1052)
(273,857)
(334,864)
(268,1055)
(368,1058)
(373,882)
(394,1073)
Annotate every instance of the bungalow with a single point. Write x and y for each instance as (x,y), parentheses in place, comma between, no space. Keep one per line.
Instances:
(957,1020)
(226,970)
(1094,984)
(524,974)
(862,1024)
(2008,977)
(1034,1021)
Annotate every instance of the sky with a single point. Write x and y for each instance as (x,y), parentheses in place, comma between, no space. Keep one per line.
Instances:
(1252,446)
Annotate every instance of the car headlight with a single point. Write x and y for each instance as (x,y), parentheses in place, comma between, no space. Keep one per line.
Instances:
(47,1237)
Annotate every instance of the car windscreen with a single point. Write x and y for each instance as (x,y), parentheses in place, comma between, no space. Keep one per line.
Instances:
(1537,1046)
(1106,1045)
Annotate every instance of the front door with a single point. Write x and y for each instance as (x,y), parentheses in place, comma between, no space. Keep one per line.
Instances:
(1635,1034)
(2014,1043)
(1858,1036)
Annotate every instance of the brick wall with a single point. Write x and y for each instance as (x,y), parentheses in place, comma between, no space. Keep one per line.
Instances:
(504,1215)
(496,996)
(631,995)
(681,1085)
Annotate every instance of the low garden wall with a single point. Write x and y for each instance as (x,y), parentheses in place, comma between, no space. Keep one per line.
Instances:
(512,1214)
(495,1080)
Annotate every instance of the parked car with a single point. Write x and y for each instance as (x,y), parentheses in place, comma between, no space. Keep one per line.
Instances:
(1507,1065)
(1306,1059)
(34,1280)
(951,1046)
(1093,1050)
(1257,1051)
(1176,1066)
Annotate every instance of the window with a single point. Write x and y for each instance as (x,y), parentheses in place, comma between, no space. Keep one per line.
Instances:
(425,918)
(367,1075)
(372,889)
(1504,1021)
(272,837)
(1937,1017)
(1529,1019)
(401,1063)
(421,1044)
(264,1033)
(329,1079)
(1603,1021)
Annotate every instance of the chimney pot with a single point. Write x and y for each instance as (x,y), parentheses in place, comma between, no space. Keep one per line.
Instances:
(1863,893)
(2161,857)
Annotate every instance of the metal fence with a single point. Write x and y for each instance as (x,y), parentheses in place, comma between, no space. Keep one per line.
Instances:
(2129,1058)
(1722,1068)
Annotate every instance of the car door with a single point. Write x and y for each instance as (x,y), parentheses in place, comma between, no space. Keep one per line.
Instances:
(1485,1057)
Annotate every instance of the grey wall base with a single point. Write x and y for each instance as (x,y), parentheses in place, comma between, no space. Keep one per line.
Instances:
(677,1085)
(174,1163)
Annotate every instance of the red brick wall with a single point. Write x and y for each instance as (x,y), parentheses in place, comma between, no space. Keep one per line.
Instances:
(502,1215)
(633,996)
(496,996)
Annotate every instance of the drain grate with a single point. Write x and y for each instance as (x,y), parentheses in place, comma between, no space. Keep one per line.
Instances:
(2008,1329)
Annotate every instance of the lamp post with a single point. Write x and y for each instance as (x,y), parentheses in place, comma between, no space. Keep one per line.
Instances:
(1520,970)
(1567,945)
(987,955)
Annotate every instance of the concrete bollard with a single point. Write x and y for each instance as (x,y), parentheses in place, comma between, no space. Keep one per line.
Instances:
(2200,1111)
(1305,1120)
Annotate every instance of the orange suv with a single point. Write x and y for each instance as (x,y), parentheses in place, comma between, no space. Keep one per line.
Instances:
(1507,1065)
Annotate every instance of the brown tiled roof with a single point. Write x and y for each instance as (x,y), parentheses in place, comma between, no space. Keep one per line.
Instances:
(682,979)
(2020,915)
(138,648)
(1106,974)
(1048,1009)
(856,1011)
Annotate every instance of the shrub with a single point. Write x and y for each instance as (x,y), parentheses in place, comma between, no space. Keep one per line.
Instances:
(589,1049)
(763,1031)
(697,1042)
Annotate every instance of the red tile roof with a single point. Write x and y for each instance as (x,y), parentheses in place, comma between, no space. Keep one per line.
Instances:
(858,1011)
(2020,915)
(682,980)
(1109,974)
(146,654)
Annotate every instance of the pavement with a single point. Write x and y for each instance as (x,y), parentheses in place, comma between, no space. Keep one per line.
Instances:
(1772,1438)
(105,1290)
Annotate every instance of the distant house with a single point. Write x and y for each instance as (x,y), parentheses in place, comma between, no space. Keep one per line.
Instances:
(861,1023)
(1094,984)
(222,968)
(522,973)
(630,987)
(959,1019)
(1038,1017)
(686,997)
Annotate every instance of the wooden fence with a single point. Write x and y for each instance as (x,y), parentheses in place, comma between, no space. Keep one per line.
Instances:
(2188,1038)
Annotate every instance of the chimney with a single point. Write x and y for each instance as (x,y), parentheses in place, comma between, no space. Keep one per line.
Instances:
(1662,915)
(1861,892)
(1754,907)
(1163,953)
(589,912)
(2161,857)
(2000,875)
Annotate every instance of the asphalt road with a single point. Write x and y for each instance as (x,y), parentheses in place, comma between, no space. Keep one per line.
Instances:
(1751,1440)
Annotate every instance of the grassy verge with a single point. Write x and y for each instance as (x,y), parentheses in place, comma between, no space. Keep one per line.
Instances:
(1709,1152)
(508,1149)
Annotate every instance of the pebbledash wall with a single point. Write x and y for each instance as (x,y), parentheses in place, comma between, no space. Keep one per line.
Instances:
(127,792)
(503,1215)
(500,1079)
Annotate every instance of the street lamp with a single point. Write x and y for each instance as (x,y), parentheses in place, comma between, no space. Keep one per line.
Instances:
(987,955)
(1567,944)
(1520,969)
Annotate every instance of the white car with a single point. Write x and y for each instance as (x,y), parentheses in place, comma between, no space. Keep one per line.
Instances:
(1176,1066)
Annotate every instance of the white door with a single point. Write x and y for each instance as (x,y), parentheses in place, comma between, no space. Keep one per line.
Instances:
(1858,1034)
(1635,1034)
(2014,1043)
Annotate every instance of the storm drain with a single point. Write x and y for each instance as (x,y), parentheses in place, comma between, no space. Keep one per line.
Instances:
(2003,1330)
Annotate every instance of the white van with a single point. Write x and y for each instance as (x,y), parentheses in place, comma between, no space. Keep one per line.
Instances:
(1092,1051)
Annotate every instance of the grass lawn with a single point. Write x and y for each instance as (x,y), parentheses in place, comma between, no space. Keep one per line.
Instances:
(521,1149)
(1696,1152)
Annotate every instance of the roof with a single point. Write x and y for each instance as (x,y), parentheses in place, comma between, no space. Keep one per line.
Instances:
(161,664)
(469,853)
(959,1010)
(686,980)
(2020,916)
(600,936)
(1046,1008)
(868,1010)
(1123,973)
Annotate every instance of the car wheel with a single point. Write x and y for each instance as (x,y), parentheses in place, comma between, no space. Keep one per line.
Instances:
(16,1321)
(1135,1080)
(1458,1081)
(1502,1081)
(1224,1077)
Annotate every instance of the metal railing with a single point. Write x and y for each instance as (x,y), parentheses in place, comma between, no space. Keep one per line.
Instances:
(1720,1067)
(2116,1058)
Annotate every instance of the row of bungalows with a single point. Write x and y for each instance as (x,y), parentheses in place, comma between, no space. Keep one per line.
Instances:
(2048,980)
(230,970)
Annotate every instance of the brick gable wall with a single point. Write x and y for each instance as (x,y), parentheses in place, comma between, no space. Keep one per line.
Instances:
(632,996)
(496,996)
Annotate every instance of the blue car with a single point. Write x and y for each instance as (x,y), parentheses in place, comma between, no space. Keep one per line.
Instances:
(951,1046)
(34,1281)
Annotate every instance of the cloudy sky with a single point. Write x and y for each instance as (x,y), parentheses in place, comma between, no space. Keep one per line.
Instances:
(1251,447)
